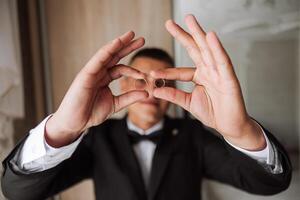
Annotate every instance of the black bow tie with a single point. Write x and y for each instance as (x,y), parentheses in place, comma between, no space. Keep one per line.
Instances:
(135,137)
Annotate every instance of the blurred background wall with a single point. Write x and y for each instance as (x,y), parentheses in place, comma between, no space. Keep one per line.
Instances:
(262,38)
(51,40)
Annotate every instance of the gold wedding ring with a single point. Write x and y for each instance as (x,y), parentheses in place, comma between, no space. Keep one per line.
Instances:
(143,84)
(159,83)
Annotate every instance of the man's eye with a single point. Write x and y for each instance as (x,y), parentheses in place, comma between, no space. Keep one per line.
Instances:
(140,84)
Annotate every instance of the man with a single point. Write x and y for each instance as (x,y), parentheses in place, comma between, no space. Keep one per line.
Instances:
(147,155)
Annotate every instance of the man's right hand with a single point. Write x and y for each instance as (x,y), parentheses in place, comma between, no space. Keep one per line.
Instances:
(89,101)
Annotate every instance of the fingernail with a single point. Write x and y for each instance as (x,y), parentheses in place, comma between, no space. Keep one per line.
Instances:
(169,22)
(129,32)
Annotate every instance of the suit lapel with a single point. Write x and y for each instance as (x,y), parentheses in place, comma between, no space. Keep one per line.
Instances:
(127,158)
(162,156)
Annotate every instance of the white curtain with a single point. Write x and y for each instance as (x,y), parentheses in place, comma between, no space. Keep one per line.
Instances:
(11,94)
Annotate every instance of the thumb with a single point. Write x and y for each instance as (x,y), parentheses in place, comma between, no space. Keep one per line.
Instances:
(128,98)
(174,95)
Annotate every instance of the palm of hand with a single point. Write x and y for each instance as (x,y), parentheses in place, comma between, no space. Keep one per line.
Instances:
(89,100)
(216,99)
(101,108)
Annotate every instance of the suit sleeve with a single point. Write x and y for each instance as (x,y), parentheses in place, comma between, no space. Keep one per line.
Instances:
(41,185)
(224,163)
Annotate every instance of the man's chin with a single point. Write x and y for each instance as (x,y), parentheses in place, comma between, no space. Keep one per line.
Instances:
(149,117)
(147,113)
(148,105)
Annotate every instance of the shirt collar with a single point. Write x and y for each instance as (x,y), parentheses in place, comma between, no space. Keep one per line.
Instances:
(158,126)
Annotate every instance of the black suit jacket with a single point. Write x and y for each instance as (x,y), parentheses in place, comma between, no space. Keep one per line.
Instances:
(180,162)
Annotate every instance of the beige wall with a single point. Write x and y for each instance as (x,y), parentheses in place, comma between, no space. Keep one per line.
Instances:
(77,28)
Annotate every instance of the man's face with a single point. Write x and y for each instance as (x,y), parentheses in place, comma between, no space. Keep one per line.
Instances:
(152,109)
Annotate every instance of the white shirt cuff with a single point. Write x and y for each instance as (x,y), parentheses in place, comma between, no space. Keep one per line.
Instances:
(266,155)
(37,155)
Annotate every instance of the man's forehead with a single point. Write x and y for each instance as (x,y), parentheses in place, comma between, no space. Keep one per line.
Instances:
(145,64)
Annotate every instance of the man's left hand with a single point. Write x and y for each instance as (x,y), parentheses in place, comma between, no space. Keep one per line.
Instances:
(217,99)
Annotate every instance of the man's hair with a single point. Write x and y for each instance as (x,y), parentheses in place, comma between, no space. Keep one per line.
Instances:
(155,53)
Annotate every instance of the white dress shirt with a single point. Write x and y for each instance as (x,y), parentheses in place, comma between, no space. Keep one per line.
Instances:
(144,149)
(36,155)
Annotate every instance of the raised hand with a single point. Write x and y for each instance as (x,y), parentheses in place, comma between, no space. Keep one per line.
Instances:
(89,101)
(217,99)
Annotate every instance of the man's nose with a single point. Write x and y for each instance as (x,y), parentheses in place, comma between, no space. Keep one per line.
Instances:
(149,84)
(150,90)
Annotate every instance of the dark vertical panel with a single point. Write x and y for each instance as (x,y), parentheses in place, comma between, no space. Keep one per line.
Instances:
(22,126)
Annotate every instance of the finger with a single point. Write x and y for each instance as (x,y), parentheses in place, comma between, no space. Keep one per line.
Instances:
(128,98)
(132,46)
(106,53)
(199,36)
(186,40)
(220,55)
(174,95)
(124,70)
(180,74)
